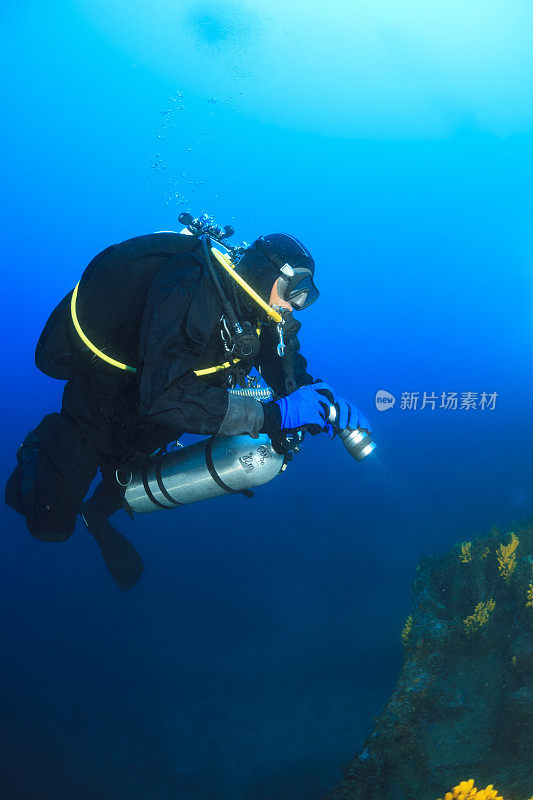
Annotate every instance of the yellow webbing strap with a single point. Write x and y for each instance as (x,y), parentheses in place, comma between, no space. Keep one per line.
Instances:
(119,364)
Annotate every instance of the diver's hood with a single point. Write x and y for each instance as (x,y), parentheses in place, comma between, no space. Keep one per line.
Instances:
(261,263)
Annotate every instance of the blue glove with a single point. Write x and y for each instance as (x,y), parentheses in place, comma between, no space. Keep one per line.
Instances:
(341,413)
(345,415)
(305,406)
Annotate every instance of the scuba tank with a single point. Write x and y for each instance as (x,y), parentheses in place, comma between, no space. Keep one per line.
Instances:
(217,466)
(208,468)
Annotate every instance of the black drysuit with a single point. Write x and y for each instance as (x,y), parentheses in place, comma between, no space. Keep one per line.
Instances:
(150,303)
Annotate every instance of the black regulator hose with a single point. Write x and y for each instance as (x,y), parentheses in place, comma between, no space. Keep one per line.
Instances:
(245,341)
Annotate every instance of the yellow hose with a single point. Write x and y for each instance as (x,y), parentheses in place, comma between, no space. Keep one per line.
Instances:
(228,266)
(119,364)
(85,340)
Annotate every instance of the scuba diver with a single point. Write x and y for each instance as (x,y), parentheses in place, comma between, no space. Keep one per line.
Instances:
(158,339)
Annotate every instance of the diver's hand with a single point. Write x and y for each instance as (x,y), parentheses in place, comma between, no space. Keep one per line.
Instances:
(342,414)
(345,415)
(306,407)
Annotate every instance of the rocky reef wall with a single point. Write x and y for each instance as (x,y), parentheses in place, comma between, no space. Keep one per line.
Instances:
(463,705)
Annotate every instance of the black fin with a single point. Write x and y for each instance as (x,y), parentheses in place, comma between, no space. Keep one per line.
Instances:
(121,558)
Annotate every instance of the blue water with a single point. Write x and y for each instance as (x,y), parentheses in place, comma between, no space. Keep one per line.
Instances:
(264,635)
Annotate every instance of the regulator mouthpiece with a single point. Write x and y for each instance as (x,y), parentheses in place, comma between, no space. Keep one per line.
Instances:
(358,442)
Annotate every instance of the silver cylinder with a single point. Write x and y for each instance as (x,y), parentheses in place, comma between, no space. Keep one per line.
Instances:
(208,468)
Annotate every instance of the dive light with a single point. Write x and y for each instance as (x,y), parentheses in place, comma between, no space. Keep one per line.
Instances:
(358,442)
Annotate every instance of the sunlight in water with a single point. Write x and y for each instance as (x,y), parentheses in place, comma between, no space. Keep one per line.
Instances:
(381,70)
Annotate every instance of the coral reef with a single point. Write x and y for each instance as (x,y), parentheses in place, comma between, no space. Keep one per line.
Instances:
(507,557)
(467,791)
(464,697)
(480,616)
(406,630)
(465,555)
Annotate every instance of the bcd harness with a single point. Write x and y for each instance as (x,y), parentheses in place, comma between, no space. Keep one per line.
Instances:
(227,265)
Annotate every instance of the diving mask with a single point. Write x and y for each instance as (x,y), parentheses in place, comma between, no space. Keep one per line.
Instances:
(296,286)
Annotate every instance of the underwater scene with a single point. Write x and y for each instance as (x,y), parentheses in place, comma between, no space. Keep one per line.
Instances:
(267,523)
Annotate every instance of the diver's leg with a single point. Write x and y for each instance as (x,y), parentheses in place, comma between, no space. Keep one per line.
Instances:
(83,402)
(122,560)
(106,498)
(55,468)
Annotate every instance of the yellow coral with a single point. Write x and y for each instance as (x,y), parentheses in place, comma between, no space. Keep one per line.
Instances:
(485,553)
(529,604)
(466,552)
(507,558)
(467,791)
(480,617)
(407,629)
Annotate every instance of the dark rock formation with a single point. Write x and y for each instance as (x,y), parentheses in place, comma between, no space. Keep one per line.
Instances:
(463,706)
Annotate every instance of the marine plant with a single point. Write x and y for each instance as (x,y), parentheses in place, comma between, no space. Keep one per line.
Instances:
(466,552)
(467,791)
(507,557)
(407,629)
(480,617)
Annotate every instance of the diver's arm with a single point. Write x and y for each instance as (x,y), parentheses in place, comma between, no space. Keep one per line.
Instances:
(188,405)
(171,347)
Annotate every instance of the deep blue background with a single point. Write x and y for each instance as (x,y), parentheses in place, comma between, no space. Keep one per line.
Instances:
(264,635)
